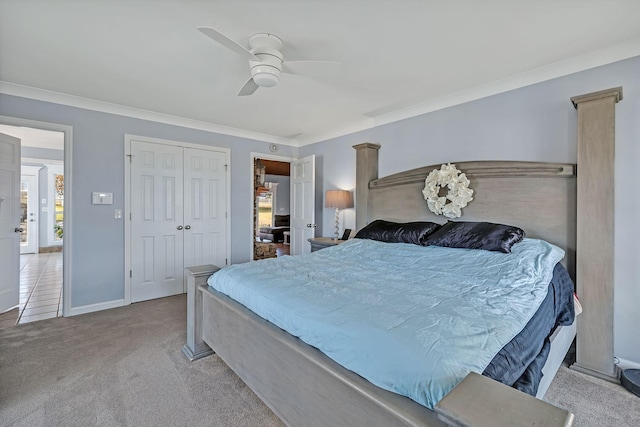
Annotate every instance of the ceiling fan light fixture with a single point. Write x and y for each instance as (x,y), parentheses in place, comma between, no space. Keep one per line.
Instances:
(266,60)
(265,76)
(266,79)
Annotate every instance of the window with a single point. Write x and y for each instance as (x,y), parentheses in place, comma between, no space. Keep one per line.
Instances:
(265,209)
(58,219)
(24,194)
(54,205)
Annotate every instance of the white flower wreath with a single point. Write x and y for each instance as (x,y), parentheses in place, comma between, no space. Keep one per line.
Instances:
(459,194)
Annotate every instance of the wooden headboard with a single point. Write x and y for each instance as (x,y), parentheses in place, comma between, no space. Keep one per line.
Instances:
(538,197)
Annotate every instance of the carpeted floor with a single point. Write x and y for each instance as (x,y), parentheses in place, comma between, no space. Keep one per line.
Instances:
(124,367)
(120,367)
(594,402)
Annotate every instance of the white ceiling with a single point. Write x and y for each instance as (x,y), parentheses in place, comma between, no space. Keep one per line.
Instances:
(38,138)
(400,58)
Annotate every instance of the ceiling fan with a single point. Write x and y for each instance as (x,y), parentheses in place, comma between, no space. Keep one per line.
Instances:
(266,60)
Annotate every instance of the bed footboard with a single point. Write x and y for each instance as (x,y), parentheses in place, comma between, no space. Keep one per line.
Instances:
(304,387)
(480,401)
(197,276)
(300,384)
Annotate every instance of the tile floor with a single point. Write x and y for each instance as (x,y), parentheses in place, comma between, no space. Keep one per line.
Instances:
(40,289)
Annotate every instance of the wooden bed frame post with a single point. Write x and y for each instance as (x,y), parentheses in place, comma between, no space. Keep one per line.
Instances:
(197,276)
(595,235)
(366,171)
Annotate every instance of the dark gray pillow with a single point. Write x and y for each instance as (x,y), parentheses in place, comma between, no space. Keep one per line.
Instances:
(476,235)
(398,232)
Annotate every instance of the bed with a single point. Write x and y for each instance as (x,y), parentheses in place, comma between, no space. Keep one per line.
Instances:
(301,384)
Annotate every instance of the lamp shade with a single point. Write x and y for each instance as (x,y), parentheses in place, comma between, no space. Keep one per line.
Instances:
(339,199)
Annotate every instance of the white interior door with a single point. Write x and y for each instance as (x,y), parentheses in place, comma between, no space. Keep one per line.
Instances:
(9,221)
(303,225)
(178,204)
(28,213)
(157,236)
(205,211)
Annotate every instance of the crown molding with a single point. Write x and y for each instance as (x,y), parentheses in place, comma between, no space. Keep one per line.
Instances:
(8,88)
(611,54)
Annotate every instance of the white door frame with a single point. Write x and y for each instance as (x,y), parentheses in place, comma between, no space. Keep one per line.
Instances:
(252,197)
(127,198)
(67,285)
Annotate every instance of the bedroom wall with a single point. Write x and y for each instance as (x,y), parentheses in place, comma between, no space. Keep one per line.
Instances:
(534,123)
(98,165)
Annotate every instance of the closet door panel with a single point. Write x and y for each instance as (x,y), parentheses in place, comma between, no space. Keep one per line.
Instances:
(157,237)
(205,207)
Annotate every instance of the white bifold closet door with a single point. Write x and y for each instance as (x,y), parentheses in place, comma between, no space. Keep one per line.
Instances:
(178,209)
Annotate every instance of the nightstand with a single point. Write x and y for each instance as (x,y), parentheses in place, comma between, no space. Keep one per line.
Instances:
(318,243)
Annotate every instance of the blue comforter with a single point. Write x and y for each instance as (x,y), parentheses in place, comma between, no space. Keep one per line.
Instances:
(410,319)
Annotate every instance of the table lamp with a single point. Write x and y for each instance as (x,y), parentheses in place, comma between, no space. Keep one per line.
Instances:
(338,199)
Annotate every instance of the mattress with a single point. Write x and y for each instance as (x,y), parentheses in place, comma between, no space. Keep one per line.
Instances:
(519,363)
(413,320)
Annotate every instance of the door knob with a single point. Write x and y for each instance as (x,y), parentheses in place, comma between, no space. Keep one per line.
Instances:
(311,226)
(187,227)
(179,227)
(18,230)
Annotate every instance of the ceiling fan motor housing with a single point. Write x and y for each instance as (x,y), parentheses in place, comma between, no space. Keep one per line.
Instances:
(266,72)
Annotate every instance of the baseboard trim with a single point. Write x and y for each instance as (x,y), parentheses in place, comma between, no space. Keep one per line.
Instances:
(627,364)
(50,249)
(614,378)
(90,308)
(195,356)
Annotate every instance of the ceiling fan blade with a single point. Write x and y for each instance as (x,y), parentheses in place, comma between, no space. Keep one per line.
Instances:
(311,68)
(228,43)
(249,87)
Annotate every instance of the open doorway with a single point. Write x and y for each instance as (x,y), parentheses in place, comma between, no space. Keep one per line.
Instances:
(271,208)
(42,219)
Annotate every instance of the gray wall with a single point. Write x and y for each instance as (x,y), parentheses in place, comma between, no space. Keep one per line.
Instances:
(42,153)
(532,123)
(535,123)
(283,203)
(98,165)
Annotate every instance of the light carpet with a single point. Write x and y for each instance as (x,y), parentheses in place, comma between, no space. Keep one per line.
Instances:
(124,367)
(119,367)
